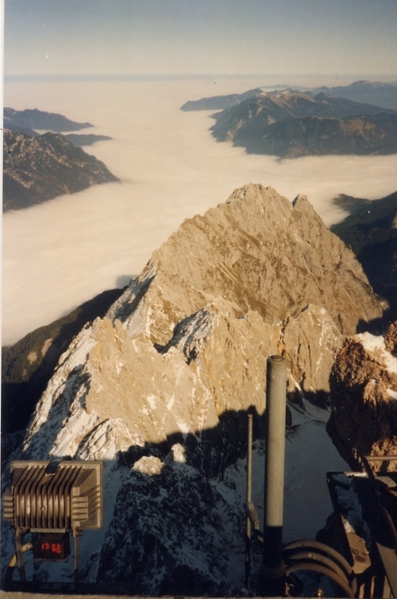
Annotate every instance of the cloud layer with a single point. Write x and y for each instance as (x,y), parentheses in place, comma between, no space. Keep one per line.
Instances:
(61,253)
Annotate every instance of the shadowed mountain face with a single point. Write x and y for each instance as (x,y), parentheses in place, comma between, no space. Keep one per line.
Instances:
(36,169)
(291,124)
(364,376)
(371,231)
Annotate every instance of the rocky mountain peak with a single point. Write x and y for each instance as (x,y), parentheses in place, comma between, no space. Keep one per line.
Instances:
(257,250)
(254,276)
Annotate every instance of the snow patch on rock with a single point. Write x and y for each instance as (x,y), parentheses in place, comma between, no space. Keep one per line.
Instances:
(376,346)
(149,465)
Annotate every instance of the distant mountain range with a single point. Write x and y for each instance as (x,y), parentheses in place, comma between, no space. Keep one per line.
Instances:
(380,94)
(77,139)
(29,122)
(39,168)
(219,102)
(370,92)
(85,139)
(291,123)
(37,119)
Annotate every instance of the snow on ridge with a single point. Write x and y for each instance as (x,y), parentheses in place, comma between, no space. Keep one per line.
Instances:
(391,393)
(70,368)
(371,342)
(79,424)
(376,346)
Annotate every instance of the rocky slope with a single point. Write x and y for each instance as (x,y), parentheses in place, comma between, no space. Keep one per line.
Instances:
(364,397)
(290,124)
(256,268)
(36,169)
(161,386)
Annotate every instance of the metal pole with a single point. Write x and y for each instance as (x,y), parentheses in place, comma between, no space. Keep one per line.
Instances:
(273,568)
(19,546)
(76,534)
(248,498)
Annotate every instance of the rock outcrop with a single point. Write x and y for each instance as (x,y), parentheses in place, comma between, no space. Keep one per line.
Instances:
(160,387)
(364,397)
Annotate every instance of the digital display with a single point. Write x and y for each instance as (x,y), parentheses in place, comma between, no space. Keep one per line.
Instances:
(51,547)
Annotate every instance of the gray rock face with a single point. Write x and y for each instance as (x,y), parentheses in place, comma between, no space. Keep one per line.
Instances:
(160,388)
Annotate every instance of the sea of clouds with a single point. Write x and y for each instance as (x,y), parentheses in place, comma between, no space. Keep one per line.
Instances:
(61,253)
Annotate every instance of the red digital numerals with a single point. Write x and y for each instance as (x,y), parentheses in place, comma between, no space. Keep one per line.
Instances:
(51,547)
(56,548)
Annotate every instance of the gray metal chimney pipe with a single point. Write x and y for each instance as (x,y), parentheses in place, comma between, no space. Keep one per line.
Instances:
(273,569)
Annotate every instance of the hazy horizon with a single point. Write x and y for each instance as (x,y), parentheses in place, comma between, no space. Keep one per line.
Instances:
(229,37)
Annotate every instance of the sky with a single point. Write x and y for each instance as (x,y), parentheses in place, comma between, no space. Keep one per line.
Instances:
(191,37)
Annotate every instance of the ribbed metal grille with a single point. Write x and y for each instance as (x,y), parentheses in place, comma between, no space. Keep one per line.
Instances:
(44,498)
